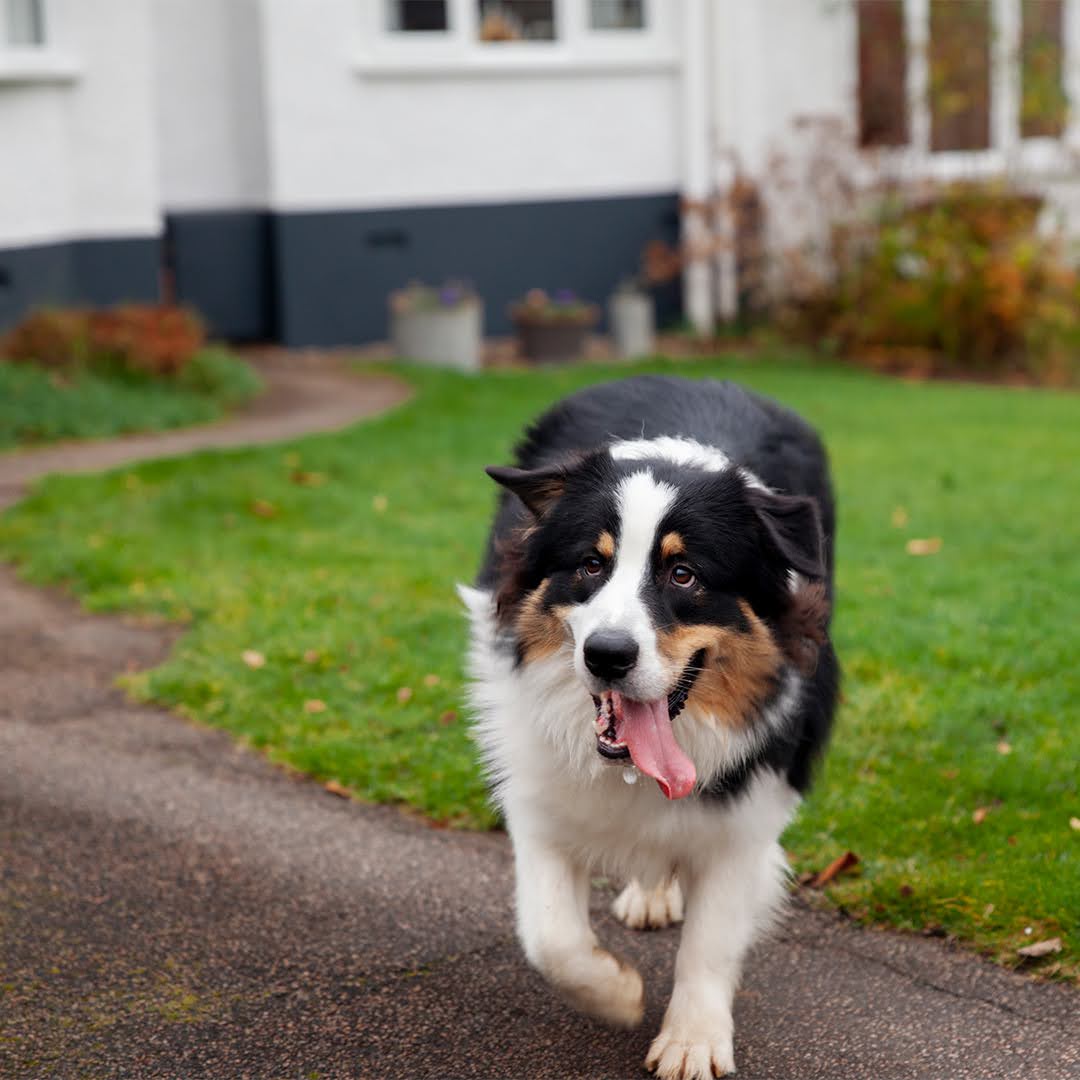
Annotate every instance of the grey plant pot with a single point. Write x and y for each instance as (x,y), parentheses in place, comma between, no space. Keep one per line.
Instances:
(552,343)
(633,324)
(444,337)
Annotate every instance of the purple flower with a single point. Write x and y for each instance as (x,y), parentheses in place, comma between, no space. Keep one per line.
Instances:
(564,296)
(450,295)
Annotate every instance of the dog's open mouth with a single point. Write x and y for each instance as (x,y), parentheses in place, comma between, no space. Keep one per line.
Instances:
(641,731)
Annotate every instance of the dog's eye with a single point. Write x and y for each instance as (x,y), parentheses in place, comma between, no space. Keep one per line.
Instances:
(682,576)
(592,565)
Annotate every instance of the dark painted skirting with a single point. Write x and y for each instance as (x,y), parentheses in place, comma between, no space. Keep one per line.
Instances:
(334,270)
(106,271)
(221,263)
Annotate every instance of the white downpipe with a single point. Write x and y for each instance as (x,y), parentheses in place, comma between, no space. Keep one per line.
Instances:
(696,111)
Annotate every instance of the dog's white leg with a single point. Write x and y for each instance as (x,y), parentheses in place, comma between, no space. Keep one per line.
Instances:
(553,924)
(649,909)
(728,899)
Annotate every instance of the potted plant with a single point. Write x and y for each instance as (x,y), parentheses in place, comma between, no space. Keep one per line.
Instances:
(632,318)
(552,329)
(441,326)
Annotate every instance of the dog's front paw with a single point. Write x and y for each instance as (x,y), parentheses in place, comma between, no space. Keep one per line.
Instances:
(679,1055)
(649,909)
(601,985)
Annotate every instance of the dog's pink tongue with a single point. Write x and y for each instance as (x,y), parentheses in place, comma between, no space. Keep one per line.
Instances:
(646,730)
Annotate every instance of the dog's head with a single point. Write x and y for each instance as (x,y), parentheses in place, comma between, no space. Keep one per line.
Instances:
(668,578)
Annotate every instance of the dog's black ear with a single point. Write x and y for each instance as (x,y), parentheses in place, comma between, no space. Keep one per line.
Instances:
(792,525)
(538,489)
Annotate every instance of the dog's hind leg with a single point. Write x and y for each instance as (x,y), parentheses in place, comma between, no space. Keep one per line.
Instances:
(553,924)
(649,909)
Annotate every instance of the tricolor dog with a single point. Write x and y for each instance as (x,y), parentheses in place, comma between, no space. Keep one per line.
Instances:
(652,681)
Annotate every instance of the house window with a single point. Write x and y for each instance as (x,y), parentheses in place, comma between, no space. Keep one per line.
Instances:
(418,15)
(883,104)
(617,14)
(25,22)
(959,73)
(1043,104)
(517,20)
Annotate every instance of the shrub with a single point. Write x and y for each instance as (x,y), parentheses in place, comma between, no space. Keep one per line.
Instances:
(960,282)
(136,339)
(215,373)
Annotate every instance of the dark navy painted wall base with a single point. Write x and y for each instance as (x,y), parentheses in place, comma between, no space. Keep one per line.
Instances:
(335,269)
(106,271)
(222,264)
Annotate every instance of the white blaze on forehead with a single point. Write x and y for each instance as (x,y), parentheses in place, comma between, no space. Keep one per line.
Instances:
(680,450)
(642,503)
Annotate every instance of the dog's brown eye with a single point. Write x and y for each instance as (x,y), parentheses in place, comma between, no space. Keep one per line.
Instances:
(682,576)
(592,565)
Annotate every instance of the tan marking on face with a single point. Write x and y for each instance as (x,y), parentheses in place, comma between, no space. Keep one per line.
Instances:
(739,671)
(605,545)
(672,545)
(541,632)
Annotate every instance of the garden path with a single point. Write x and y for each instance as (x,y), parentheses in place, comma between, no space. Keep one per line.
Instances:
(172,905)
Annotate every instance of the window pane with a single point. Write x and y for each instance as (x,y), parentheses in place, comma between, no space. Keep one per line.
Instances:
(1042,92)
(883,106)
(418,15)
(25,22)
(517,20)
(617,14)
(959,74)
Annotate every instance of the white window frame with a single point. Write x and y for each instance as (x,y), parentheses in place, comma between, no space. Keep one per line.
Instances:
(1008,151)
(458,51)
(48,62)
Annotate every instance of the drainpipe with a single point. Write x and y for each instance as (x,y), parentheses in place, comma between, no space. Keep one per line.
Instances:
(696,189)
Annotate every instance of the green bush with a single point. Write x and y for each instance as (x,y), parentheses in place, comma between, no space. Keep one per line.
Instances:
(216,373)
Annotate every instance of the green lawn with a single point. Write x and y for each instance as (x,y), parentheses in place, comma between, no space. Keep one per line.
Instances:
(41,406)
(954,770)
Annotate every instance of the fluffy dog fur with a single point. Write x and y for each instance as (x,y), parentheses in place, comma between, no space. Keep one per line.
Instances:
(652,681)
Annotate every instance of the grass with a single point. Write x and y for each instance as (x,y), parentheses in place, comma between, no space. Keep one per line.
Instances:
(40,406)
(953,772)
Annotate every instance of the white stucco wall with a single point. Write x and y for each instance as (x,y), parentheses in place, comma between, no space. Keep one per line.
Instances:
(77,157)
(353,125)
(209,103)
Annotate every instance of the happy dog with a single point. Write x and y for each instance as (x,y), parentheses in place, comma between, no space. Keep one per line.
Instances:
(652,681)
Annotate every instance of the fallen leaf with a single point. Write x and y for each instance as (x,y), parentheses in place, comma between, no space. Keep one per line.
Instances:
(253,658)
(988,911)
(308,479)
(292,459)
(337,789)
(311,656)
(262,508)
(379,503)
(930,546)
(314,705)
(1040,948)
(431,680)
(1003,747)
(448,717)
(838,866)
(978,815)
(906,890)
(404,694)
(899,517)
(1074,823)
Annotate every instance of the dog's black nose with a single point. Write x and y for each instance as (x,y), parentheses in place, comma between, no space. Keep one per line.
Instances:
(610,654)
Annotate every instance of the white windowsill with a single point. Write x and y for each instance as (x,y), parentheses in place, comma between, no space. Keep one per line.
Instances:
(37,66)
(518,63)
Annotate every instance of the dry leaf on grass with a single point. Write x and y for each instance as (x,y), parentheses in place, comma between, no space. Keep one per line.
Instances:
(1003,747)
(311,656)
(431,680)
(448,717)
(404,694)
(1074,823)
(379,503)
(308,479)
(899,517)
(978,815)
(1040,948)
(314,705)
(838,866)
(262,508)
(929,546)
(337,789)
(253,658)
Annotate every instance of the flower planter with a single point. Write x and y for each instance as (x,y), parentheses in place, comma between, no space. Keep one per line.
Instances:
(552,342)
(632,319)
(441,336)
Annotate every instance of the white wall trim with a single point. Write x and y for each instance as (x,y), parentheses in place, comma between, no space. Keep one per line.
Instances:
(508,66)
(37,65)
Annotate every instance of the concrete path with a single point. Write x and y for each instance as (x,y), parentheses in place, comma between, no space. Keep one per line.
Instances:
(173,906)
